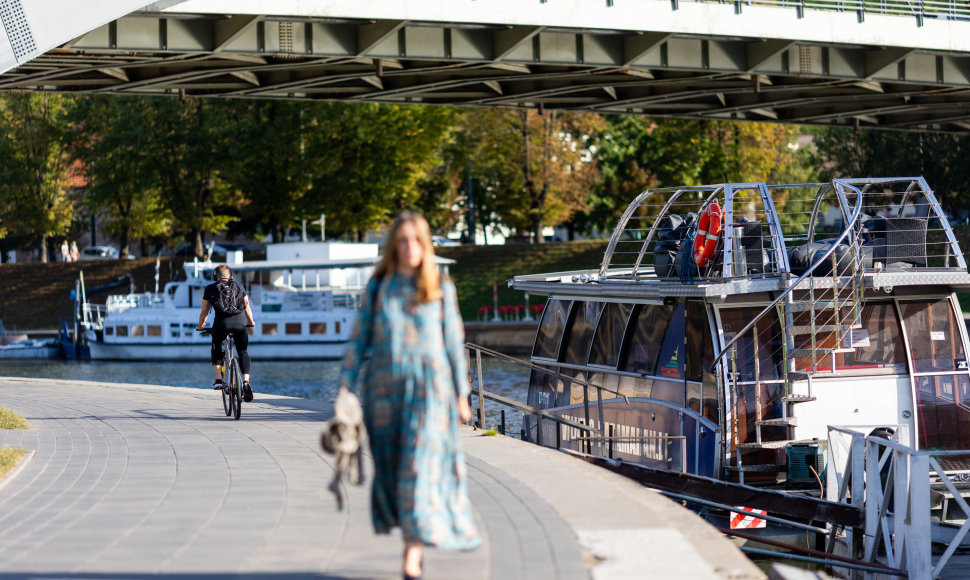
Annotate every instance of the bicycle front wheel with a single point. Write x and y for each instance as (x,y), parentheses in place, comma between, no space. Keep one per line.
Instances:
(235,393)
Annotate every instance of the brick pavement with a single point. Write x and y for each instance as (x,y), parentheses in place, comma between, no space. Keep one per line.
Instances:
(132,481)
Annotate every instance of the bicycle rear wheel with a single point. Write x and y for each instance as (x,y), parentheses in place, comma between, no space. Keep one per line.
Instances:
(236,390)
(226,400)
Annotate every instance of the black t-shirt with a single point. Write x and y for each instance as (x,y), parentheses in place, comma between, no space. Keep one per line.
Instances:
(221,320)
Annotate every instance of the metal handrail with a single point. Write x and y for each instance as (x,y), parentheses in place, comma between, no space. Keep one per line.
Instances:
(932,8)
(533,366)
(851,223)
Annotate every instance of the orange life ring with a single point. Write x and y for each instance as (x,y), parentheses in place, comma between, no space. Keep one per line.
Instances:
(708,231)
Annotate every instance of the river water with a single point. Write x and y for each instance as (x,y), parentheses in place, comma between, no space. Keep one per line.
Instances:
(307,379)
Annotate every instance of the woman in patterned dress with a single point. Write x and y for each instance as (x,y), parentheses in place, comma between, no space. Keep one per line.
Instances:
(414,391)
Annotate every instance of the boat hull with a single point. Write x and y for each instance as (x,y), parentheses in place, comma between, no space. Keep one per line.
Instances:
(200,351)
(28,352)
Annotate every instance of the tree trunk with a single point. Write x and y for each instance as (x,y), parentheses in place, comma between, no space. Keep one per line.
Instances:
(197,239)
(43,248)
(125,243)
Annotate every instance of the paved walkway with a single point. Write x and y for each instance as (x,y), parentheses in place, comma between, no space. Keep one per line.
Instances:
(132,481)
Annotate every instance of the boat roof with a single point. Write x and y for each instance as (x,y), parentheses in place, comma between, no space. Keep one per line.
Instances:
(893,230)
(325,264)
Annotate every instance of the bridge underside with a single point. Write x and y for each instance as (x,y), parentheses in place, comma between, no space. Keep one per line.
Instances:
(396,61)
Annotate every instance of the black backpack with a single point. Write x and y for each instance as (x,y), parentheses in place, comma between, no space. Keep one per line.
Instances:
(228,299)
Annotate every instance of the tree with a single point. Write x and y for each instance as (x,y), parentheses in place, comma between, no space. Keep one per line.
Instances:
(938,157)
(368,160)
(113,142)
(188,146)
(270,165)
(34,166)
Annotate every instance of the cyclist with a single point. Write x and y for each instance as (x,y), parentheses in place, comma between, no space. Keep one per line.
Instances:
(232,315)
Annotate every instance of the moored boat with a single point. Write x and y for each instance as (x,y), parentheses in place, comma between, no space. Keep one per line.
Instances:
(304,299)
(728,326)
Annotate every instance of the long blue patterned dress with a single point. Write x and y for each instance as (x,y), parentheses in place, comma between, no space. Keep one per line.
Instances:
(408,392)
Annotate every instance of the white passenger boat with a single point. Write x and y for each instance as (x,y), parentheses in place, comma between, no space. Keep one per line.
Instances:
(304,299)
(816,305)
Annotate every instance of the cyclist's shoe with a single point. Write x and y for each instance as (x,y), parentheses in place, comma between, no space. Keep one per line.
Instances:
(218,384)
(247,392)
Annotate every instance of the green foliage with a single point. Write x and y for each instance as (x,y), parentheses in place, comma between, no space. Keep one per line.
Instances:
(368,160)
(939,157)
(113,139)
(34,189)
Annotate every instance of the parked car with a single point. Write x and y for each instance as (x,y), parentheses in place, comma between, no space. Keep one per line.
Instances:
(101,253)
(443,241)
(220,249)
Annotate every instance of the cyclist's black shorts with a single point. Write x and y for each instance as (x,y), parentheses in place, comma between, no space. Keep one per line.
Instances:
(241,338)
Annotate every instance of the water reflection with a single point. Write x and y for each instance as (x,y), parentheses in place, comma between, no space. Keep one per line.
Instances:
(306,379)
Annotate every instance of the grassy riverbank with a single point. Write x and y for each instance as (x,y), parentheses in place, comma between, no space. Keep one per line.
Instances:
(9,457)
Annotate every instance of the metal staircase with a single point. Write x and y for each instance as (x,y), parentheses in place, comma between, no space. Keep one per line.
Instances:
(819,312)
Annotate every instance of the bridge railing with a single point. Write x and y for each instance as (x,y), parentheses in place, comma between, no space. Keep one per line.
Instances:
(939,9)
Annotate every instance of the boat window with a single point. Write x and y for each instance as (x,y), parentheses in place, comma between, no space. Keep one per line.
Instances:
(154,330)
(934,338)
(770,350)
(122,330)
(670,365)
(542,388)
(318,328)
(270,328)
(109,330)
(189,330)
(879,343)
(700,346)
(565,385)
(605,349)
(944,411)
(579,333)
(336,327)
(294,327)
(137,330)
(643,348)
(550,329)
(173,330)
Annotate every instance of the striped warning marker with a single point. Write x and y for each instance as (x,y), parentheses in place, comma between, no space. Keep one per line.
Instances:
(745,520)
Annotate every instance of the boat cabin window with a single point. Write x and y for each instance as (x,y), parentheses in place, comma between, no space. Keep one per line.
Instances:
(579,332)
(109,330)
(672,355)
(294,327)
(934,338)
(137,330)
(173,330)
(551,329)
(649,324)
(122,330)
(154,330)
(769,344)
(605,349)
(318,328)
(270,328)
(878,344)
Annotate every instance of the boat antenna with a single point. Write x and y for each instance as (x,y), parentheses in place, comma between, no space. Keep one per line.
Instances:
(158,265)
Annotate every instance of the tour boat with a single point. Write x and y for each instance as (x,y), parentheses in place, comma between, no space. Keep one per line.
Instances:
(304,299)
(729,325)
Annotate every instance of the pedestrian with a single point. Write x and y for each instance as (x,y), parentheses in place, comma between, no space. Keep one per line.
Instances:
(414,393)
(65,252)
(75,254)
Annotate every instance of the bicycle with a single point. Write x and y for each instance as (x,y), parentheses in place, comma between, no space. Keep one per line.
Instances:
(232,391)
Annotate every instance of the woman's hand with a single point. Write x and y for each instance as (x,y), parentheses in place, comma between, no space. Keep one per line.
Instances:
(464,410)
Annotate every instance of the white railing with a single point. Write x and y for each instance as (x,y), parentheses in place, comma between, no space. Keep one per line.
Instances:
(121,303)
(897,501)
(93,315)
(940,9)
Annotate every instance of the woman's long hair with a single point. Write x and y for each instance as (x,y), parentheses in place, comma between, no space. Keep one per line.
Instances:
(428,281)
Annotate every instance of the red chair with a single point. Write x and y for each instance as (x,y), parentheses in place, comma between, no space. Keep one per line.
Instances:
(483,312)
(537,309)
(517,311)
(506,312)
